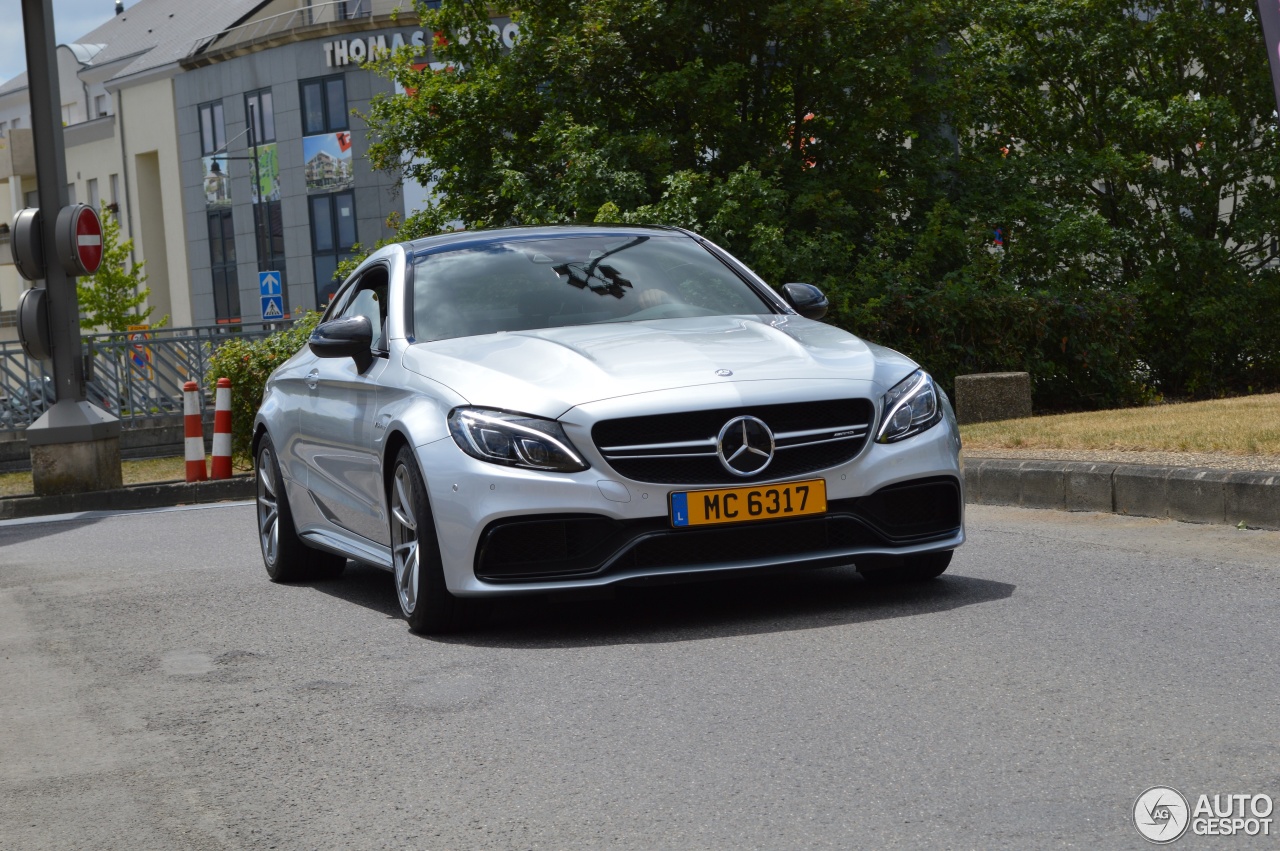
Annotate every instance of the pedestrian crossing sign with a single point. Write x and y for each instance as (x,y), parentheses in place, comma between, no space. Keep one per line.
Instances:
(272,307)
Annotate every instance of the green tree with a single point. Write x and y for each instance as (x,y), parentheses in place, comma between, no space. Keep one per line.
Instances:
(112,296)
(1127,154)
(1132,148)
(777,128)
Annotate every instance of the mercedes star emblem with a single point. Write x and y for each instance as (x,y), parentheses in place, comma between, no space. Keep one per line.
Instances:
(745,446)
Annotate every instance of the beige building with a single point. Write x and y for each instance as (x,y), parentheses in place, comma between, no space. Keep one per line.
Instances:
(121,139)
(226,139)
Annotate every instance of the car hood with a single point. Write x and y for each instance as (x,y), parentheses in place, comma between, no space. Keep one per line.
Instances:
(547,372)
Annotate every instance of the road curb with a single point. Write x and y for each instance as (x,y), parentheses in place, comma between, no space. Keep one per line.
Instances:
(154,495)
(1191,494)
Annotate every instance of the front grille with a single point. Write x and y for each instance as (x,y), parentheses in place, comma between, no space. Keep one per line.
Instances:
(788,538)
(680,449)
(548,547)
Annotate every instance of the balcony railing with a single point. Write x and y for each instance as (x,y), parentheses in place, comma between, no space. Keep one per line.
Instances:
(306,15)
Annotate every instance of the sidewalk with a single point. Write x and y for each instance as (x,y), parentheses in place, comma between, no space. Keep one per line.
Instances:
(130,497)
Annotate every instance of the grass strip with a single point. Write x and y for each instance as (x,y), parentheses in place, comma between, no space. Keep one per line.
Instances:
(141,471)
(1246,425)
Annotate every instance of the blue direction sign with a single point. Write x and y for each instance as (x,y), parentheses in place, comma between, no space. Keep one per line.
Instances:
(269,283)
(272,295)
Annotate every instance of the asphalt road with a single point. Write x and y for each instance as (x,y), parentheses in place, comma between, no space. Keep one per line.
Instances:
(157,692)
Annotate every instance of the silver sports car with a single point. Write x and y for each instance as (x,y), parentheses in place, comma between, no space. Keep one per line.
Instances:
(541,409)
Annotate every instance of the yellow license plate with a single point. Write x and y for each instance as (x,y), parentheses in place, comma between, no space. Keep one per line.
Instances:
(744,504)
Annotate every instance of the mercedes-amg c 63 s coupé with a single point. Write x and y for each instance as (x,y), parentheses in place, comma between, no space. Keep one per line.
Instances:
(533,410)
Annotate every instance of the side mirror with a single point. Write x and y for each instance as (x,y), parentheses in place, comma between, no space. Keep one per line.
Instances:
(807,299)
(343,338)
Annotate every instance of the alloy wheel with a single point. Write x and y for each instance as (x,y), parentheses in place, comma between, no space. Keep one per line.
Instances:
(268,508)
(404,538)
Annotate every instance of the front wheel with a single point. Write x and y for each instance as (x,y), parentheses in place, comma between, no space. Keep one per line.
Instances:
(919,567)
(419,572)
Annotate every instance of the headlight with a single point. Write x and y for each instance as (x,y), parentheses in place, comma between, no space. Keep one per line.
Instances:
(516,440)
(909,408)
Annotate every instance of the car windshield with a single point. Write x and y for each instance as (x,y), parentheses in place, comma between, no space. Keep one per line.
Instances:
(519,284)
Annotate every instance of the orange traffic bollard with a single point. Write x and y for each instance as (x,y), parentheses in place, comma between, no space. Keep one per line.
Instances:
(193,432)
(220,468)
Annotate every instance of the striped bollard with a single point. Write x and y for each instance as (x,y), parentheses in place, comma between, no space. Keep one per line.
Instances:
(193,432)
(220,467)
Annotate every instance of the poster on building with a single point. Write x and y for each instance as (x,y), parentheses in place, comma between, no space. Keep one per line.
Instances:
(217,183)
(326,162)
(266,179)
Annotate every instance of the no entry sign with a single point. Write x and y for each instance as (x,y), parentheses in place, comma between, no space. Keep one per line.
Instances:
(79,239)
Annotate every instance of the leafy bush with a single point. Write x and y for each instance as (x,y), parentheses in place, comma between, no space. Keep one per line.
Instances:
(958,307)
(248,363)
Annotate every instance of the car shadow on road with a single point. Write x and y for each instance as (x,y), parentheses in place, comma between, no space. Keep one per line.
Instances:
(746,605)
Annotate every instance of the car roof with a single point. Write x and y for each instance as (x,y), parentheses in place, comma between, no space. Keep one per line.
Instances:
(477,238)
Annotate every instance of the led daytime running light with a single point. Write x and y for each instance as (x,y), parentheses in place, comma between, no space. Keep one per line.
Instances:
(902,398)
(481,434)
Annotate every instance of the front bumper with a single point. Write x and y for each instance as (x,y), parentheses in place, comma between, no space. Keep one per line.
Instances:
(504,530)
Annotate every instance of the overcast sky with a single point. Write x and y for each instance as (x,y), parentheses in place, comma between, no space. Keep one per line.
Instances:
(71,19)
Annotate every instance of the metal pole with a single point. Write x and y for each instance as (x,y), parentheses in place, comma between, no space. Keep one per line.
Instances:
(87,439)
(260,211)
(51,182)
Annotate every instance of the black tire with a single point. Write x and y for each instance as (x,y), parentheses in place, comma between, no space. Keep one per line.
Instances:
(285,556)
(424,598)
(889,570)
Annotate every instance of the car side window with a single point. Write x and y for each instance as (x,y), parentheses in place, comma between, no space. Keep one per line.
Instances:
(370,299)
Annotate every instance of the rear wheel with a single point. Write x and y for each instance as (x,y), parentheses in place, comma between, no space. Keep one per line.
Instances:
(419,572)
(886,570)
(284,555)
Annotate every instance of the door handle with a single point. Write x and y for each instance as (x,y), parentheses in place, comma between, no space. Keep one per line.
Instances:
(313,377)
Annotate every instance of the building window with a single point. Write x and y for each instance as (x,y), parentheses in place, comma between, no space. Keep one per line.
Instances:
(333,236)
(68,113)
(71,193)
(4,125)
(100,106)
(269,230)
(115,188)
(33,198)
(324,105)
(213,131)
(91,188)
(222,263)
(261,116)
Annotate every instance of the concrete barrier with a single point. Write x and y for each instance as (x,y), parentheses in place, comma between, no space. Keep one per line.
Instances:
(990,396)
(1189,494)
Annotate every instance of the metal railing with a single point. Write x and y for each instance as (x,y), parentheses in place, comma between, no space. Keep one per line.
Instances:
(307,14)
(134,376)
